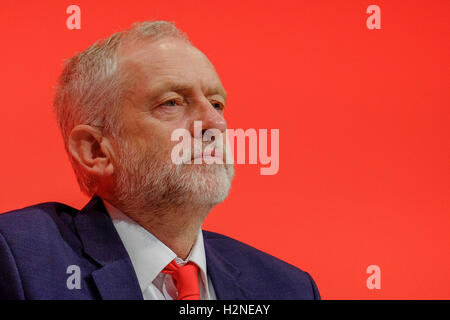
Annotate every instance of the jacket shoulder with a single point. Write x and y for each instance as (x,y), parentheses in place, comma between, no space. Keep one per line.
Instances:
(36,221)
(267,271)
(230,246)
(37,245)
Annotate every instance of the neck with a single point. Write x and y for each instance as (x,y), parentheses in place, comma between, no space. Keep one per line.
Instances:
(176,227)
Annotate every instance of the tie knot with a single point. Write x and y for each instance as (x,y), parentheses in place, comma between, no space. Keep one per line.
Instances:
(185,279)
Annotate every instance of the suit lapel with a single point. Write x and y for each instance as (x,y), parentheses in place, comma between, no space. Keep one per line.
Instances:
(224,275)
(116,278)
(117,281)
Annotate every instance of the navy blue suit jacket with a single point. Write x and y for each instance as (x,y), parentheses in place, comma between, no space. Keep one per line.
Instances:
(40,242)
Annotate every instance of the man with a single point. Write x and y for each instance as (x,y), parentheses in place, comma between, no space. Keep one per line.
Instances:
(140,236)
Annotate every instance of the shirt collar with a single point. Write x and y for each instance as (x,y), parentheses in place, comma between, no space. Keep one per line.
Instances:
(148,254)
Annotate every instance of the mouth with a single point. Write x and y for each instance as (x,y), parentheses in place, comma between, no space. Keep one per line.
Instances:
(206,155)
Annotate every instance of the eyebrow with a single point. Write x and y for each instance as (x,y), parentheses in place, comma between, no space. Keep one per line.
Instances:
(179,87)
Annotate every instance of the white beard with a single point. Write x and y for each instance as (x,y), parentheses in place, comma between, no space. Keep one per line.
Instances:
(146,182)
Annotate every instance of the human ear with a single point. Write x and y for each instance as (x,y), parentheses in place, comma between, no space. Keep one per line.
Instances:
(91,150)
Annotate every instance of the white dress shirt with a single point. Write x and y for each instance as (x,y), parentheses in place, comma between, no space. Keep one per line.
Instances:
(150,256)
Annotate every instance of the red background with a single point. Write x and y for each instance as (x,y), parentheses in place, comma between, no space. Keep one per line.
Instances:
(363,116)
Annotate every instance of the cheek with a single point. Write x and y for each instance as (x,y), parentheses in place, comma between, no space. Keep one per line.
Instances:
(158,140)
(155,135)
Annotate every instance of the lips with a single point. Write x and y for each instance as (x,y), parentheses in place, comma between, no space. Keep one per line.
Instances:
(205,154)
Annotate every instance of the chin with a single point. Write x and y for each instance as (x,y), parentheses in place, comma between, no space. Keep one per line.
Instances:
(211,185)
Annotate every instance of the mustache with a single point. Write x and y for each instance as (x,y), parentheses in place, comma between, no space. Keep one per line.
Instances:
(202,149)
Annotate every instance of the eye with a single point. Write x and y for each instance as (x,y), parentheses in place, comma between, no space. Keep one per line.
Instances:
(170,103)
(217,105)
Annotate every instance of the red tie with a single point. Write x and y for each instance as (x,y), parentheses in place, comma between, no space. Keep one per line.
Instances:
(185,279)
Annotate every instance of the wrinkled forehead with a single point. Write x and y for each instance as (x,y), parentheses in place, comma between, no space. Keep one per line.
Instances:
(168,60)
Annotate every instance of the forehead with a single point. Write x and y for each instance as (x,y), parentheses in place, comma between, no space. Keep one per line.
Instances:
(169,62)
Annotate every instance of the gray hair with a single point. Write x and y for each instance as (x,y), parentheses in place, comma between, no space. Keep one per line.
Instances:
(91,89)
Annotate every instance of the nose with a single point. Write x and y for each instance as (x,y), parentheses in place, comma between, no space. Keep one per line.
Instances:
(210,117)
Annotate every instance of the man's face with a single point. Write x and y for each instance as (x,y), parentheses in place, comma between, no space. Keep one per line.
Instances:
(173,85)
